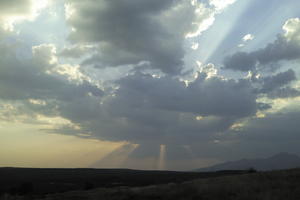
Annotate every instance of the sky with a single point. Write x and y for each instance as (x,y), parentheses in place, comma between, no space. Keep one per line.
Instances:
(164,85)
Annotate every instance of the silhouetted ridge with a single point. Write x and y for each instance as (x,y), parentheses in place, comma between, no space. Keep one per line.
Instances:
(279,161)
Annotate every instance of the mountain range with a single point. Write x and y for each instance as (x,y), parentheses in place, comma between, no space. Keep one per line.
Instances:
(276,162)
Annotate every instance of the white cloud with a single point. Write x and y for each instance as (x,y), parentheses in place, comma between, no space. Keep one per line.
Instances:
(292,29)
(221,4)
(248,37)
(195,46)
(205,17)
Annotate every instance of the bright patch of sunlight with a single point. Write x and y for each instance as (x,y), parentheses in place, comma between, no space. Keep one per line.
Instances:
(162,157)
(199,118)
(36,7)
(237,126)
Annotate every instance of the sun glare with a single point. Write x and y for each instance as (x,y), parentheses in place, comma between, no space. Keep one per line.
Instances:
(36,7)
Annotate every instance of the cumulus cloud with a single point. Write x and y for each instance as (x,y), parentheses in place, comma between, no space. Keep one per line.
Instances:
(33,86)
(139,107)
(137,31)
(142,108)
(163,109)
(292,29)
(285,48)
(170,94)
(34,77)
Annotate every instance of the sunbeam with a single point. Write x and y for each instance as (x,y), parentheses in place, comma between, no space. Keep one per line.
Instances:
(219,37)
(162,157)
(116,158)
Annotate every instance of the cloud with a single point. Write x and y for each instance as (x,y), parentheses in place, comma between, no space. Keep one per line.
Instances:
(292,29)
(285,48)
(137,108)
(271,83)
(34,77)
(137,31)
(18,10)
(285,92)
(74,52)
(195,46)
(171,94)
(274,127)
(221,4)
(210,114)
(241,61)
(164,109)
(33,86)
(15,7)
(248,37)
(277,85)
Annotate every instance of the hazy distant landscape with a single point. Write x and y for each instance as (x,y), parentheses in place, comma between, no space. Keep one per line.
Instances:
(275,162)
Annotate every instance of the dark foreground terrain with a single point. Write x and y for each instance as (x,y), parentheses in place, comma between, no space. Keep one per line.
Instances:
(30,181)
(275,185)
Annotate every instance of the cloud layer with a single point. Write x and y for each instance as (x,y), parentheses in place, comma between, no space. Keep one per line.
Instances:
(159,102)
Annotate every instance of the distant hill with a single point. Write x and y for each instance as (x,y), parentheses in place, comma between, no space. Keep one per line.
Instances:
(276,162)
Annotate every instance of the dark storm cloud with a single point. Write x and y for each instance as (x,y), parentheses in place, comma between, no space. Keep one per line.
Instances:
(275,127)
(286,92)
(143,108)
(132,31)
(241,61)
(276,132)
(271,83)
(24,79)
(206,97)
(281,49)
(277,85)
(164,110)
